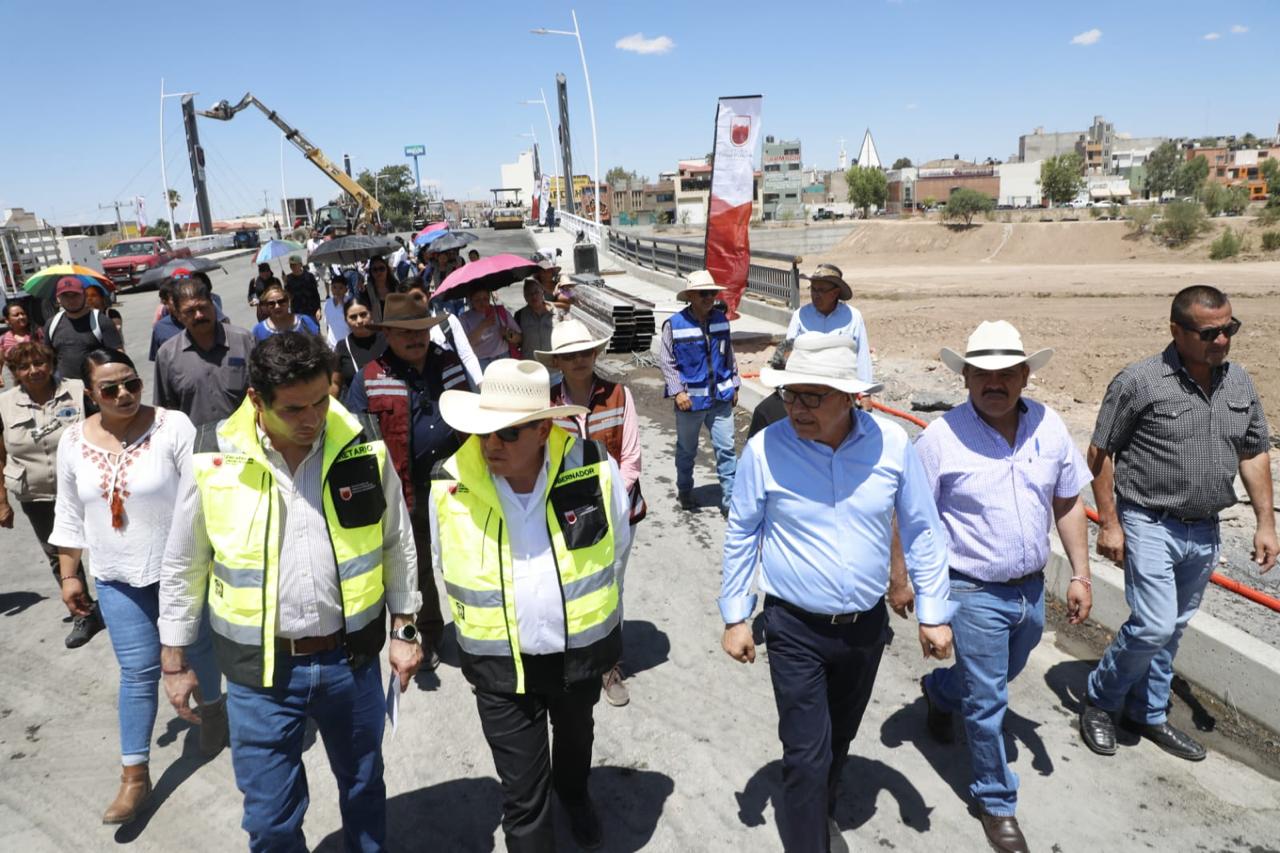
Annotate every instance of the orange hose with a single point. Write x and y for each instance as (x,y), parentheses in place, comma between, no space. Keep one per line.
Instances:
(920,422)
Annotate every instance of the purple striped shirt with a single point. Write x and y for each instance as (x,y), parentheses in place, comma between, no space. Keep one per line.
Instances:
(996,501)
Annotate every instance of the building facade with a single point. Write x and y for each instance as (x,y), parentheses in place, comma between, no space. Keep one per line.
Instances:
(1241,167)
(783,180)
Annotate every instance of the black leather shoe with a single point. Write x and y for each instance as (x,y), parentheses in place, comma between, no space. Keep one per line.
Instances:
(1003,833)
(686,502)
(584,823)
(1098,729)
(940,727)
(1172,740)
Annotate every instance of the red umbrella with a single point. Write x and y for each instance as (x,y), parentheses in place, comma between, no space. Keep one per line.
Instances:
(434,226)
(488,273)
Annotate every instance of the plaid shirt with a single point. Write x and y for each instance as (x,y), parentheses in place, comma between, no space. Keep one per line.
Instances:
(1177,449)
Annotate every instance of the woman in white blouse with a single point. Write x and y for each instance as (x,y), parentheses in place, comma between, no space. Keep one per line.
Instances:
(117,484)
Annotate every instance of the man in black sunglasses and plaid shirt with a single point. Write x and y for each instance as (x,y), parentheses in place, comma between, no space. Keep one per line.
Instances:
(1171,434)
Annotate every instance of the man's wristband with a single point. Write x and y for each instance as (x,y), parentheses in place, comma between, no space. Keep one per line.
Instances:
(1082,579)
(71,578)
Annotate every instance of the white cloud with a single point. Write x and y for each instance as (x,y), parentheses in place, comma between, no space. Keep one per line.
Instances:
(1239,29)
(1087,37)
(911,106)
(637,43)
(1212,36)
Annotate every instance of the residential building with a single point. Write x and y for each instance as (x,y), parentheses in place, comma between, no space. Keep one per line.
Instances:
(519,176)
(1020,184)
(783,180)
(692,193)
(937,179)
(900,192)
(1095,145)
(1242,167)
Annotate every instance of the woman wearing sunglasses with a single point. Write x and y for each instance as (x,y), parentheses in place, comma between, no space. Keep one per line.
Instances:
(117,484)
(280,317)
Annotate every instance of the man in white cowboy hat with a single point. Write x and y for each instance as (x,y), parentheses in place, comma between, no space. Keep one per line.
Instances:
(814,506)
(829,312)
(402,389)
(701,373)
(610,418)
(1003,470)
(529,528)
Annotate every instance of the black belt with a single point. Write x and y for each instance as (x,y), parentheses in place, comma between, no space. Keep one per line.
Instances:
(303,646)
(1010,582)
(816,618)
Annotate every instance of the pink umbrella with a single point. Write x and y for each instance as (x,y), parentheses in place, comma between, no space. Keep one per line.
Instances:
(434,226)
(488,273)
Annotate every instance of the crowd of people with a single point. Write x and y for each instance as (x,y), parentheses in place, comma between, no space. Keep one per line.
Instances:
(280,514)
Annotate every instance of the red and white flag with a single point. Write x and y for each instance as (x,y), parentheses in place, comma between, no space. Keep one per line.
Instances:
(728,246)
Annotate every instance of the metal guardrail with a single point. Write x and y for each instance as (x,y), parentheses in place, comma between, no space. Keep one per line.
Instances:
(681,257)
(208,243)
(587,226)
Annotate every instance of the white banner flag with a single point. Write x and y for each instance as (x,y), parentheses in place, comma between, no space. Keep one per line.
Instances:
(728,249)
(140,205)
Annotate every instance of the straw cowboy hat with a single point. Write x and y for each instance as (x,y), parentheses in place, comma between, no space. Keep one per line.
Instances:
(995,346)
(831,273)
(511,393)
(402,311)
(821,359)
(569,337)
(699,282)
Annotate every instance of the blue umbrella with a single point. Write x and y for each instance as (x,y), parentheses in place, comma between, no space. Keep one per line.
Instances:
(273,249)
(425,239)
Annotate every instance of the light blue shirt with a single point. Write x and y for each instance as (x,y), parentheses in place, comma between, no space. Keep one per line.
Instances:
(819,522)
(996,501)
(843,320)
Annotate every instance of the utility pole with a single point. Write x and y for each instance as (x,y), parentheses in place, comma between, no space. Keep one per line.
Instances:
(266,206)
(117,205)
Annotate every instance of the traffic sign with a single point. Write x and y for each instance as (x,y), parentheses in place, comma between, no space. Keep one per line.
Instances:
(415,150)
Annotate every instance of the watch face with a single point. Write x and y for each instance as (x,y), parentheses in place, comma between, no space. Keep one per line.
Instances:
(408,633)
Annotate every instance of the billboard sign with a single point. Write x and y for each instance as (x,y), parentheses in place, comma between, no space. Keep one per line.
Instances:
(415,150)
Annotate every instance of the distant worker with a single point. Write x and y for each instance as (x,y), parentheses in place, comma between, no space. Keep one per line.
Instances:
(701,373)
(551,216)
(1172,433)
(1004,470)
(829,312)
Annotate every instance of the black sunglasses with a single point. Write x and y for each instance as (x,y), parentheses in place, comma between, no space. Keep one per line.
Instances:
(111,390)
(507,435)
(272,303)
(1211,335)
(808,399)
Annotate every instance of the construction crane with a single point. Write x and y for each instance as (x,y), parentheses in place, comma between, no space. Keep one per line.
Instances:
(330,215)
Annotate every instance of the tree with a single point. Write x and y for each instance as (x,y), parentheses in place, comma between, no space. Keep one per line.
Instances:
(1270,171)
(902,163)
(395,189)
(159,229)
(1249,140)
(966,203)
(1060,178)
(1189,177)
(1161,167)
(1182,221)
(867,187)
(174,200)
(619,175)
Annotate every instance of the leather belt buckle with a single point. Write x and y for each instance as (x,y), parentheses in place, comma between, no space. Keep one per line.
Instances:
(845,618)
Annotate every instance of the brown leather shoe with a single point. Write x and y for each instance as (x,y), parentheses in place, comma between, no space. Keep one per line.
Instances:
(135,787)
(1003,833)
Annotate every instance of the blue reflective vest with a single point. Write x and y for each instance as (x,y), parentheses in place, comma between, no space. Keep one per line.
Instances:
(704,359)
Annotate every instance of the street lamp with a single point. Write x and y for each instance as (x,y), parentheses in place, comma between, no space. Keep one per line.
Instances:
(551,137)
(591,107)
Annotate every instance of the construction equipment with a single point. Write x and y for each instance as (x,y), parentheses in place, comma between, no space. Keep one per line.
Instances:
(366,205)
(626,320)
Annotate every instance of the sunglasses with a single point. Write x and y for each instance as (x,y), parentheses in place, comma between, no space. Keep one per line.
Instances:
(507,435)
(111,390)
(1211,335)
(808,399)
(275,303)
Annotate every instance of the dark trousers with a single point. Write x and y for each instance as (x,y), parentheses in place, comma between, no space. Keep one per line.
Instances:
(40,514)
(822,679)
(430,621)
(529,763)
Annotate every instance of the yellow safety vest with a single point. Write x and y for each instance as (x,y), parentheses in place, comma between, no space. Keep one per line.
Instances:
(242,518)
(475,554)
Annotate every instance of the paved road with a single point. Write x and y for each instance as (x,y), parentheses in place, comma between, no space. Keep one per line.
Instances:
(691,765)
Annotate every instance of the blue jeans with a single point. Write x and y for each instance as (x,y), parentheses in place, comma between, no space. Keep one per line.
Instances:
(1167,564)
(719,422)
(995,627)
(131,613)
(267,728)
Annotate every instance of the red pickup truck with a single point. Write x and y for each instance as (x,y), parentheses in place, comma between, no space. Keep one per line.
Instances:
(129,259)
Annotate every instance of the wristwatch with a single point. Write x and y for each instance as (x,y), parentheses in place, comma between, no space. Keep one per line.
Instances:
(409,633)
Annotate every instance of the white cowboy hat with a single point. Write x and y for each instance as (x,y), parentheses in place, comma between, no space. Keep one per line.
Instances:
(511,393)
(699,282)
(570,336)
(820,359)
(995,346)
(832,273)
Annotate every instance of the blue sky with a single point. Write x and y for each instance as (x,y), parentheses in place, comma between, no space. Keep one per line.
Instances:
(930,78)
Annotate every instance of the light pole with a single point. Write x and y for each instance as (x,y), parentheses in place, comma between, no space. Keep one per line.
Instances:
(164,178)
(551,139)
(591,108)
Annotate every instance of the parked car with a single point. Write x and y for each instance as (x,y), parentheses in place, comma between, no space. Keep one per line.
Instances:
(245,240)
(129,259)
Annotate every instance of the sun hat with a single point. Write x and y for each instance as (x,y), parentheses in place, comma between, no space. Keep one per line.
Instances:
(68,284)
(402,311)
(511,393)
(832,273)
(547,264)
(700,281)
(818,358)
(995,346)
(567,337)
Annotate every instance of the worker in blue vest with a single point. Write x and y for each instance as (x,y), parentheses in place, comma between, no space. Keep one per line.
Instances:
(701,373)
